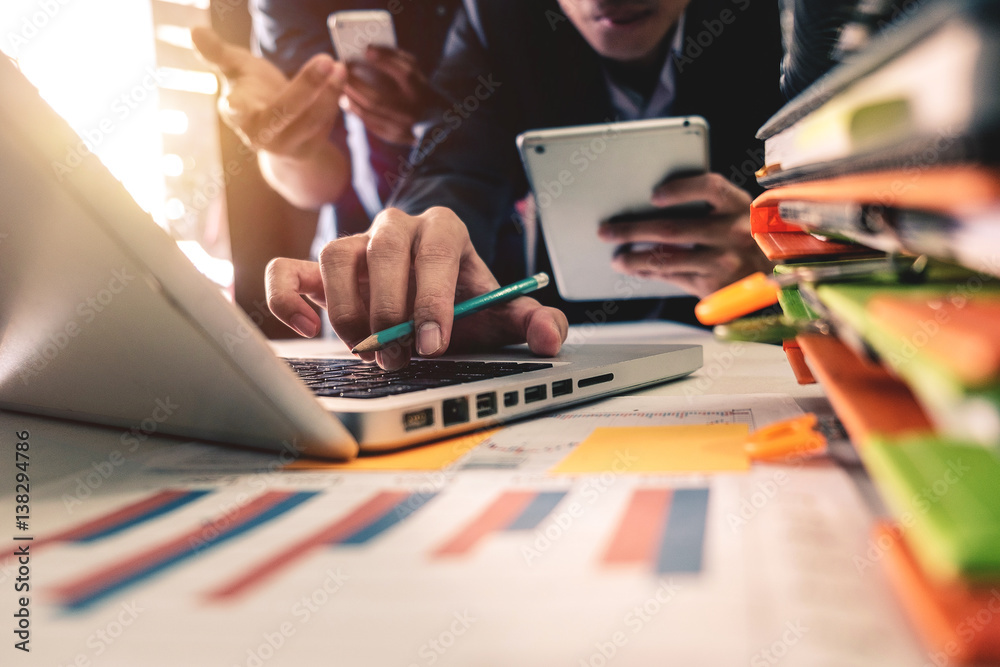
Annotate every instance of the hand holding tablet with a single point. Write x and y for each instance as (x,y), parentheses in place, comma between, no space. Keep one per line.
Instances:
(609,173)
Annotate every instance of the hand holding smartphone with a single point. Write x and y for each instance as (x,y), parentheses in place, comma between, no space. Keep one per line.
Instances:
(353,31)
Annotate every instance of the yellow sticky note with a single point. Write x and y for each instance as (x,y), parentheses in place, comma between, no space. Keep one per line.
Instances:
(434,456)
(660,449)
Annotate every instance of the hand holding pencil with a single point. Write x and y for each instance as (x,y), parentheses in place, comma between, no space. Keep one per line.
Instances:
(378,341)
(409,267)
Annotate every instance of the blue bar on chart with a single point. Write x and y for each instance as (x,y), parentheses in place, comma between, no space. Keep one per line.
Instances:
(130,516)
(96,586)
(662,528)
(511,511)
(684,537)
(360,526)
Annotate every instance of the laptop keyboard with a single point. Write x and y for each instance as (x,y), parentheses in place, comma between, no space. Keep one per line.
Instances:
(353,378)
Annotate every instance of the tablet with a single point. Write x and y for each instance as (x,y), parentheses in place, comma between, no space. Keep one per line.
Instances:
(584,175)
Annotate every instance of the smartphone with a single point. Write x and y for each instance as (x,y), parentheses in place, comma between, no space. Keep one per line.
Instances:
(352,31)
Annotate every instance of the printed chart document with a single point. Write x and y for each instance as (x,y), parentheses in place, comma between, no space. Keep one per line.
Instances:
(198,555)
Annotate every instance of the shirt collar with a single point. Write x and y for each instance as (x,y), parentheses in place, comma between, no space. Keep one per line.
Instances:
(629,106)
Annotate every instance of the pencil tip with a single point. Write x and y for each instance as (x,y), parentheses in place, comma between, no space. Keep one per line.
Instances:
(369,344)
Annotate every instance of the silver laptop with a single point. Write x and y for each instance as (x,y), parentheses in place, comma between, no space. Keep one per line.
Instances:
(103,319)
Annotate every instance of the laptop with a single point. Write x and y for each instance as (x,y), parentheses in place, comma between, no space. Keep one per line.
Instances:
(103,319)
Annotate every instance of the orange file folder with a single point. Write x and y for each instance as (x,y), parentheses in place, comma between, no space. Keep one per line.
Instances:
(962,335)
(866,397)
(958,624)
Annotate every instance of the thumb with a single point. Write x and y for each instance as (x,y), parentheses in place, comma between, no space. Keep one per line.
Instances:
(227,57)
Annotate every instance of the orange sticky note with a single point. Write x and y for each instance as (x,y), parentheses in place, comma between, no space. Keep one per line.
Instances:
(660,449)
(434,456)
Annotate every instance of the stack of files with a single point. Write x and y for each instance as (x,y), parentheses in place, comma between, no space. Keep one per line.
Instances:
(942,552)
(914,374)
(924,92)
(897,149)
(896,152)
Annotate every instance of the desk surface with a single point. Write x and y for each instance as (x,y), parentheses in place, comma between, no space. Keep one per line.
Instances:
(214,556)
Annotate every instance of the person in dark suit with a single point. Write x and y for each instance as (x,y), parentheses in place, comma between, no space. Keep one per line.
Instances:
(282,99)
(514,65)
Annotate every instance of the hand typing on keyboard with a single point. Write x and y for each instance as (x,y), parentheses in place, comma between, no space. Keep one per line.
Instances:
(408,266)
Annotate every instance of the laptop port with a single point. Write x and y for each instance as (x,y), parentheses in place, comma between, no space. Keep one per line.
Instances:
(418,419)
(536,393)
(597,379)
(486,404)
(562,387)
(510,399)
(455,411)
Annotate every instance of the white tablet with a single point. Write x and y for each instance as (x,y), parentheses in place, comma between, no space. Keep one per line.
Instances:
(584,175)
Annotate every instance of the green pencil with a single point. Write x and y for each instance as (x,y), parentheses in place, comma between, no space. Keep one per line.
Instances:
(378,341)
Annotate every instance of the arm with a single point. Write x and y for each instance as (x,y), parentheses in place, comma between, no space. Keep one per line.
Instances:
(286,122)
(466,159)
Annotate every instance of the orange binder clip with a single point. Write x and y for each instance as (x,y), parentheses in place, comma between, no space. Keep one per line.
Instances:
(796,437)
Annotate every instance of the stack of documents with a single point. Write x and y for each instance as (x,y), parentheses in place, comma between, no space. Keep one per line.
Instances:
(895,154)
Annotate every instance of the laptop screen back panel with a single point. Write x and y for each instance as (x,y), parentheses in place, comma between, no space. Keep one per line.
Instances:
(103,319)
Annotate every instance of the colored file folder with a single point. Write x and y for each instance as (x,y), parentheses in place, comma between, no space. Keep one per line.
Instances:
(959,625)
(956,408)
(950,213)
(946,496)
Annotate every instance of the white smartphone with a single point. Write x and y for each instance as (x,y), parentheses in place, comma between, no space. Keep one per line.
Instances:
(352,31)
(583,176)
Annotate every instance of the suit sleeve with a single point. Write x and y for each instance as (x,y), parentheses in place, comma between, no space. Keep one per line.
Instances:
(810,29)
(467,158)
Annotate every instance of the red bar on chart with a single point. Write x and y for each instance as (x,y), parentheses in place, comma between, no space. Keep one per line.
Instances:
(126,517)
(512,510)
(640,532)
(112,578)
(364,523)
